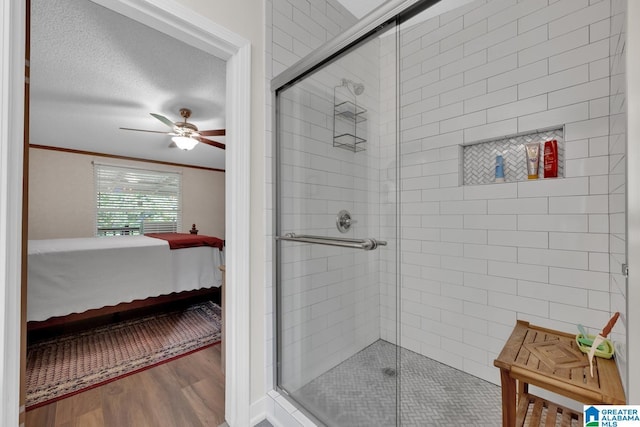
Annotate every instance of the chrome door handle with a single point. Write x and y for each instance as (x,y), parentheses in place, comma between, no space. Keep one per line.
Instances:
(365,244)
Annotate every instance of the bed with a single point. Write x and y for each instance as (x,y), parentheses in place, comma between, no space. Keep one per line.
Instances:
(68,276)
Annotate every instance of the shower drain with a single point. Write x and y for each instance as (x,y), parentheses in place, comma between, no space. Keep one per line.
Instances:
(390,372)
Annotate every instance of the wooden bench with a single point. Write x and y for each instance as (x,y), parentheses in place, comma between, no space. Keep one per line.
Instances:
(550,359)
(535,411)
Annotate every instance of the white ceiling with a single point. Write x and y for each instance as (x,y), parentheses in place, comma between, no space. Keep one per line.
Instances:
(94,71)
(360,8)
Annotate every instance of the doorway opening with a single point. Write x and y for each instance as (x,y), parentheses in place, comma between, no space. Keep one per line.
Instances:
(235,50)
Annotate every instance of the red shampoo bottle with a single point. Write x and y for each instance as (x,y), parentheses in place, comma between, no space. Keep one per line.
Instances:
(551,159)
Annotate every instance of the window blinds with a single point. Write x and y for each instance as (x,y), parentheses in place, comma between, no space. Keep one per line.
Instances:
(132,201)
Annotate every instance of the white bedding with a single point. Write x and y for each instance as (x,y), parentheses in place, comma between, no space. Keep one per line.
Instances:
(195,268)
(74,275)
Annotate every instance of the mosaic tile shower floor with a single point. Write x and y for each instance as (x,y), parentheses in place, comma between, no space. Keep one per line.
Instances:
(361,392)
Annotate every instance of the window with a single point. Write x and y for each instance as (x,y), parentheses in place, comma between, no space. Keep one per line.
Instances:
(135,201)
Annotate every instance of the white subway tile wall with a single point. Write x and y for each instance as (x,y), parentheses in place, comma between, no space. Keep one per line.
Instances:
(474,259)
(531,250)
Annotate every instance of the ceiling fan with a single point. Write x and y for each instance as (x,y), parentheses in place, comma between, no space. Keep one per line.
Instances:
(186,135)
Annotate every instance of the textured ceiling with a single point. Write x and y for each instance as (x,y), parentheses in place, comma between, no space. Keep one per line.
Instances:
(94,71)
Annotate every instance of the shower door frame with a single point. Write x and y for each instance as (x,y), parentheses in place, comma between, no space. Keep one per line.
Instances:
(367,27)
(394,12)
(633,201)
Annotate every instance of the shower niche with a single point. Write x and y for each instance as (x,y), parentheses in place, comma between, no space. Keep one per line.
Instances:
(479,157)
(348,116)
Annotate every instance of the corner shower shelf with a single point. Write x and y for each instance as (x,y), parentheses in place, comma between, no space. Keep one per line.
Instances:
(346,116)
(349,142)
(350,111)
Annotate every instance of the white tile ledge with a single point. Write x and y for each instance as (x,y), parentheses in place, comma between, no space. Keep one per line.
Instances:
(542,187)
(283,413)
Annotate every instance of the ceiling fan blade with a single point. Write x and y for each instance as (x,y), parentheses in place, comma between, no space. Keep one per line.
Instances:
(214,132)
(144,130)
(210,142)
(163,119)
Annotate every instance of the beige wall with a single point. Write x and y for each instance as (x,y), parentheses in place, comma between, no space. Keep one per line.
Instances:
(62,197)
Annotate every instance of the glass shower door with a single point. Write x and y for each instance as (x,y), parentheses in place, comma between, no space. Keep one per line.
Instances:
(336,251)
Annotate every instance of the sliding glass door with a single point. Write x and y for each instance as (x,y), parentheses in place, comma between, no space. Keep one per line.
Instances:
(337,241)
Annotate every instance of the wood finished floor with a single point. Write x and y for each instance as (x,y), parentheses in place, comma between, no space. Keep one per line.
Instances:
(186,392)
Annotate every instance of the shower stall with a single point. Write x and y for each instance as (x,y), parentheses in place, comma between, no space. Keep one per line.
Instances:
(401,264)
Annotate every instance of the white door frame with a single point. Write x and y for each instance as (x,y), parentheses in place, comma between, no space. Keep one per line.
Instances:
(194,29)
(12,63)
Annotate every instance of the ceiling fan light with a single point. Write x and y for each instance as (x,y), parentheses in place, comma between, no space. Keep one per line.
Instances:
(184,142)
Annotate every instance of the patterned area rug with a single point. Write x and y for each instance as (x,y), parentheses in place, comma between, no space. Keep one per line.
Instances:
(69,364)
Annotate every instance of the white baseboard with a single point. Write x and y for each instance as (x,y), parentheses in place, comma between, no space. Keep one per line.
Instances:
(258,411)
